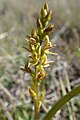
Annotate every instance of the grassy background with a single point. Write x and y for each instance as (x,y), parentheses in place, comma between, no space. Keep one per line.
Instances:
(17,19)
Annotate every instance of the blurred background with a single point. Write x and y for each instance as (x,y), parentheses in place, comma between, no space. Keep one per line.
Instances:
(17,19)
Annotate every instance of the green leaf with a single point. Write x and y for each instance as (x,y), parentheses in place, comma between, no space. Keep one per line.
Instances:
(61,103)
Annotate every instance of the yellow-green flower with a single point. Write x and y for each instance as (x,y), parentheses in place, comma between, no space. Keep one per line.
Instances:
(39,45)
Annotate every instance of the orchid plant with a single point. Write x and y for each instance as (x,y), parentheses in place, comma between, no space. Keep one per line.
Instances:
(38,47)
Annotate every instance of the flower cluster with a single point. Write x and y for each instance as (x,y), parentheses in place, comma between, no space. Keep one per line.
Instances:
(38,46)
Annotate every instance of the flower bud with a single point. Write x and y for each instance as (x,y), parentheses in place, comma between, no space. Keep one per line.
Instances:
(33,34)
(26,69)
(39,24)
(45,23)
(46,6)
(47,43)
(39,51)
(43,77)
(48,52)
(33,40)
(48,17)
(43,12)
(40,31)
(49,29)
(33,94)
(43,59)
(41,98)
(28,49)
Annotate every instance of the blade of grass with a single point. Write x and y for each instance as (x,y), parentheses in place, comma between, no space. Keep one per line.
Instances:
(62,102)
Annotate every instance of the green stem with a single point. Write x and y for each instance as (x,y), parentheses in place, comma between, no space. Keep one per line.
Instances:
(62,102)
(36,91)
(36,107)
